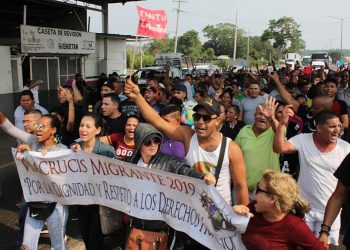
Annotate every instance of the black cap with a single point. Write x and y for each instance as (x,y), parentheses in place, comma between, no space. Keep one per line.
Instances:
(210,105)
(108,84)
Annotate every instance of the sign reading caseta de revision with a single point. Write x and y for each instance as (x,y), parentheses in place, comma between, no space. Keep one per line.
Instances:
(51,40)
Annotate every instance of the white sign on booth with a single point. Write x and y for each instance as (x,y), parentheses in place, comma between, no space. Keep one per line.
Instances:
(51,40)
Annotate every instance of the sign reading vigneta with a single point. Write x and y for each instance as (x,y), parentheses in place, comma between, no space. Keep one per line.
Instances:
(51,40)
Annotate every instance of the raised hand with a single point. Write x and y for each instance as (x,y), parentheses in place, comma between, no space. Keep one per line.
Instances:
(286,113)
(131,90)
(274,76)
(269,108)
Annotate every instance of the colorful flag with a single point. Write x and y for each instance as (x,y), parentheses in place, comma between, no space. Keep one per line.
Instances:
(152,23)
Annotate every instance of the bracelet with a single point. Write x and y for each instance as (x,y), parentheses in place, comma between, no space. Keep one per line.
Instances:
(72,109)
(325,232)
(325,227)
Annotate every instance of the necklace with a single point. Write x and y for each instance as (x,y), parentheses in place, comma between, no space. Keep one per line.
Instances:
(43,149)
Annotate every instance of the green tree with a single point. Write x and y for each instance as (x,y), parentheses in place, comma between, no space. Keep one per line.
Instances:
(147,59)
(261,50)
(285,34)
(157,46)
(190,45)
(221,39)
(208,53)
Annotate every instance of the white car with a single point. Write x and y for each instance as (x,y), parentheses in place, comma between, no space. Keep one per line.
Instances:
(145,73)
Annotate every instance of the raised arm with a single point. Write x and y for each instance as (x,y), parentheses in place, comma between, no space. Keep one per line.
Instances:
(238,173)
(179,133)
(10,129)
(280,145)
(71,112)
(286,96)
(78,98)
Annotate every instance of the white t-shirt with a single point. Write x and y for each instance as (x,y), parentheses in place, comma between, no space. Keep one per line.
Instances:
(205,162)
(316,181)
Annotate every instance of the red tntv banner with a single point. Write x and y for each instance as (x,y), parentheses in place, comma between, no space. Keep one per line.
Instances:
(152,23)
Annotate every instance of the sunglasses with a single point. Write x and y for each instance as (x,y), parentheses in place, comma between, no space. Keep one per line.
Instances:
(154,140)
(259,190)
(39,126)
(206,118)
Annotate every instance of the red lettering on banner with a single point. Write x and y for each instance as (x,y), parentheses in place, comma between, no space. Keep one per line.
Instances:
(152,23)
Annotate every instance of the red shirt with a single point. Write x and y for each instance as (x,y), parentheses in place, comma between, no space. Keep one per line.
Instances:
(122,150)
(289,233)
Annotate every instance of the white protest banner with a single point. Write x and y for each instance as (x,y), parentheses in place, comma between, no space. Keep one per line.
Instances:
(185,203)
(51,40)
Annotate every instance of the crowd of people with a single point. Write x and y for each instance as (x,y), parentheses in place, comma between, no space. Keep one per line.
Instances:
(282,135)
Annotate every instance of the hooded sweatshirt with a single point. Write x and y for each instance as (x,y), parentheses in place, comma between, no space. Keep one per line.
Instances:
(143,133)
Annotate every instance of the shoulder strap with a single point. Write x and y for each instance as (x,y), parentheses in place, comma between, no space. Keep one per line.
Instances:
(221,158)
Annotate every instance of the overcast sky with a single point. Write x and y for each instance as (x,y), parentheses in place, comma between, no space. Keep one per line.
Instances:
(318,30)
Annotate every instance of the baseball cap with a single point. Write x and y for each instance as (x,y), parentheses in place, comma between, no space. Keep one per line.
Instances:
(210,105)
(180,87)
(108,84)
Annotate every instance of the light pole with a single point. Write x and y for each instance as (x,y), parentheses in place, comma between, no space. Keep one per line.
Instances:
(341,33)
(235,45)
(178,10)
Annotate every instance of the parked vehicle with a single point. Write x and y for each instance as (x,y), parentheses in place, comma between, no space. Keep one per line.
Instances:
(321,56)
(293,59)
(306,60)
(209,69)
(145,73)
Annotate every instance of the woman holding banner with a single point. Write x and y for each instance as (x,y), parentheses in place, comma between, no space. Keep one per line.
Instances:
(54,214)
(146,154)
(89,217)
(278,213)
(123,143)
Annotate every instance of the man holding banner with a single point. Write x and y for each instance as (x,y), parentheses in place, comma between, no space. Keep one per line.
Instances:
(206,139)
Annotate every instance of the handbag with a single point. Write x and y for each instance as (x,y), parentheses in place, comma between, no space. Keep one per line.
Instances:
(41,210)
(111,220)
(140,239)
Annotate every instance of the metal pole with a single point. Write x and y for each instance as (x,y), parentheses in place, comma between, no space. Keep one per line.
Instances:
(177,24)
(140,53)
(24,14)
(235,45)
(341,37)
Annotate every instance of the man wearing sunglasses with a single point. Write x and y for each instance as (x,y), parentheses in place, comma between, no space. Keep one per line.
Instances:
(203,144)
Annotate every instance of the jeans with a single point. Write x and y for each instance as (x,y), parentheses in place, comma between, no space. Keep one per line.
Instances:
(56,225)
(21,219)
